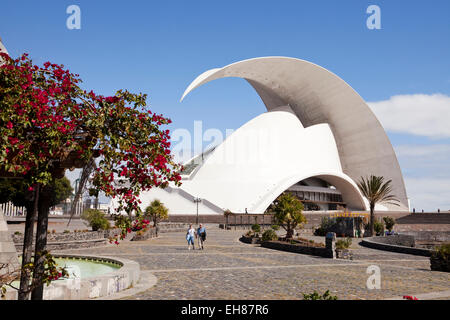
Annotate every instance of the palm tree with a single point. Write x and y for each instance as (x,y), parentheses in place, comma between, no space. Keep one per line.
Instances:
(376,190)
(156,211)
(287,210)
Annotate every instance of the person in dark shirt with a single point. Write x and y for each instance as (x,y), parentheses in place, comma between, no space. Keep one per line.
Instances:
(201,235)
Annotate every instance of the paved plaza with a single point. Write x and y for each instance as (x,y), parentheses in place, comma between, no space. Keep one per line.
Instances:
(229,269)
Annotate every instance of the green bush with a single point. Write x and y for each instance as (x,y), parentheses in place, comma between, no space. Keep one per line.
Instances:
(325,225)
(269,235)
(343,243)
(321,232)
(443,250)
(316,296)
(389,222)
(256,228)
(96,219)
(378,226)
(275,227)
(440,258)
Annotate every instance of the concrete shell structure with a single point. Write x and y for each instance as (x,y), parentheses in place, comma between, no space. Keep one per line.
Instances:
(2,49)
(309,108)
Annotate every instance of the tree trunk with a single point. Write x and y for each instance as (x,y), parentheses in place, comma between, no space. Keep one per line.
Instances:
(372,219)
(25,275)
(41,243)
(290,231)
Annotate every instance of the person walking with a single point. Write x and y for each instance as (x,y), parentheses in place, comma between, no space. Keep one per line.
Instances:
(190,234)
(201,235)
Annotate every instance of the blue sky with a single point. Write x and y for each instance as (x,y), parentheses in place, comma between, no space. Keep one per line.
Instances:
(159,47)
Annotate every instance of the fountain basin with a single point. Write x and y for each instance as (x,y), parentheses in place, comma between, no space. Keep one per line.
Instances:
(91,277)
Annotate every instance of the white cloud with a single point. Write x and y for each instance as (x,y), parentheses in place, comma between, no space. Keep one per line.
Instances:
(429,194)
(422,150)
(418,114)
(427,175)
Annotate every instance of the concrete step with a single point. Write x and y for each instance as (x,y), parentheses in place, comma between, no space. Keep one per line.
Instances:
(425,218)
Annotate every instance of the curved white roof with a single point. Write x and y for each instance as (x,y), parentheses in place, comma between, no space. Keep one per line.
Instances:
(318,96)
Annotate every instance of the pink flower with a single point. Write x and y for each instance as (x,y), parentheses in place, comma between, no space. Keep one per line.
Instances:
(9,125)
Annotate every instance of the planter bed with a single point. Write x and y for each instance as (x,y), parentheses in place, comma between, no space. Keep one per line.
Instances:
(298,248)
(145,235)
(374,244)
(344,254)
(250,240)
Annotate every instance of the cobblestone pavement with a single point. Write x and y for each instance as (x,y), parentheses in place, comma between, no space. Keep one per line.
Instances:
(229,269)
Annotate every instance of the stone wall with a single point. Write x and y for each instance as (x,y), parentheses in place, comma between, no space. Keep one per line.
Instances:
(284,246)
(172,227)
(375,243)
(70,236)
(8,254)
(72,240)
(400,240)
(144,235)
(432,236)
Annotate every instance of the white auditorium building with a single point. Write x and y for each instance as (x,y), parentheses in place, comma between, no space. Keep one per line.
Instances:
(317,138)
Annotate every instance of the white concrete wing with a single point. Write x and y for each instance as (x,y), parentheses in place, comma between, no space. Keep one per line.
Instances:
(318,96)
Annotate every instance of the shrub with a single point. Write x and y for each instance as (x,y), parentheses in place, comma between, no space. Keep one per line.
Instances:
(320,232)
(343,243)
(325,225)
(156,211)
(378,226)
(17,233)
(389,222)
(66,231)
(287,213)
(440,258)
(96,219)
(256,228)
(269,235)
(275,227)
(316,296)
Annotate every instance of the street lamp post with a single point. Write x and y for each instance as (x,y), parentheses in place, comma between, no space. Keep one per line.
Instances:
(197,201)
(76,190)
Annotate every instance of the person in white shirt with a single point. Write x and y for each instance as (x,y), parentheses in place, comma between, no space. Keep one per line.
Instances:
(190,237)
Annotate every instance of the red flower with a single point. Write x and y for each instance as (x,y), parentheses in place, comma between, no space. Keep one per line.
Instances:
(111,99)
(9,125)
(13,140)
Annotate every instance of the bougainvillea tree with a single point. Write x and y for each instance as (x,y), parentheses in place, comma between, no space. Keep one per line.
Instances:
(48,124)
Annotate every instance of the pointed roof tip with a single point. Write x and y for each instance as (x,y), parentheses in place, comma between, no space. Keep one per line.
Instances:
(198,81)
(2,47)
